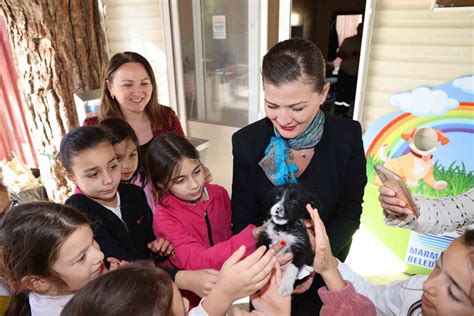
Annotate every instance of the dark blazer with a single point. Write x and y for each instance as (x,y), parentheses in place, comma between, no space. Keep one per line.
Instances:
(123,241)
(336,173)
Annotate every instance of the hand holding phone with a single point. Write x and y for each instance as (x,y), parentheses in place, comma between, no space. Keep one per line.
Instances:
(392,181)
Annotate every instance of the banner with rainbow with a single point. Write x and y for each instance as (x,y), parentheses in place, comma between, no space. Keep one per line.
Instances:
(394,140)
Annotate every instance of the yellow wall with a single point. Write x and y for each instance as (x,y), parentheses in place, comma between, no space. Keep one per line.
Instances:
(413,46)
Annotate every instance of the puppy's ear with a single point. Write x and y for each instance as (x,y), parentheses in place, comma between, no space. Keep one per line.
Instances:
(409,135)
(441,137)
(272,197)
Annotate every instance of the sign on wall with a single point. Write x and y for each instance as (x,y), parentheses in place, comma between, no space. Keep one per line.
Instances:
(429,142)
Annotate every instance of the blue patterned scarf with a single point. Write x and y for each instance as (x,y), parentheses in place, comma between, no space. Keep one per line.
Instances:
(278,163)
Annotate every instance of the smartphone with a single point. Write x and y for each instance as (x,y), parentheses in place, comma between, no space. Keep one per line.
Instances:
(394,182)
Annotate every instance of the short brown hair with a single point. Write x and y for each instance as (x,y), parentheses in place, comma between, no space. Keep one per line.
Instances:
(139,289)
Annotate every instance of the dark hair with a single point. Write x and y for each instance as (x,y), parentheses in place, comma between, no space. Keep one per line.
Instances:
(163,155)
(160,116)
(3,187)
(137,289)
(289,60)
(77,140)
(467,239)
(31,235)
(118,130)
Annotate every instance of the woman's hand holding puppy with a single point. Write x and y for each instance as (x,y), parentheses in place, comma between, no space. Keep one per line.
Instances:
(324,262)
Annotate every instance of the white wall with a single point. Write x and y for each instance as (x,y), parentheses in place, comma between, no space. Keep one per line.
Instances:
(218,156)
(138,26)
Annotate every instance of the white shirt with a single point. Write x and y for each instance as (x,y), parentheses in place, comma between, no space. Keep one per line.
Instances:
(198,311)
(117,209)
(396,298)
(45,305)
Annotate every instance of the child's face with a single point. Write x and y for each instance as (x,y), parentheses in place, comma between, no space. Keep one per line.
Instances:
(187,184)
(449,288)
(4,201)
(127,157)
(180,305)
(97,173)
(79,260)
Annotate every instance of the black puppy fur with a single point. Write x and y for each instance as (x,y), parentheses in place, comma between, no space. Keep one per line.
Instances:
(286,213)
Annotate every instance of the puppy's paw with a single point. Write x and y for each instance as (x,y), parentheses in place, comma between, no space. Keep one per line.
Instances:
(285,287)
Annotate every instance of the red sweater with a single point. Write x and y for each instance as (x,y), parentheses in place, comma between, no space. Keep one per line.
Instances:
(184,226)
(175,125)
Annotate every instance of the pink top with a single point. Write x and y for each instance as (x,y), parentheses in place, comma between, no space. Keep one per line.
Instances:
(186,226)
(346,302)
(148,189)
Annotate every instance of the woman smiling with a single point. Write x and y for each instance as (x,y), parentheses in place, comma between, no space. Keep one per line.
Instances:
(297,142)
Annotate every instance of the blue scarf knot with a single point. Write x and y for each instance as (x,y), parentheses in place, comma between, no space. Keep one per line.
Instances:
(278,163)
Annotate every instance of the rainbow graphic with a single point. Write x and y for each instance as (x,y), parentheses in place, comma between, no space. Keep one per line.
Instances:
(456,120)
(453,162)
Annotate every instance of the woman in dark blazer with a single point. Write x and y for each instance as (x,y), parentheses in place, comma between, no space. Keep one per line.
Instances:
(296,142)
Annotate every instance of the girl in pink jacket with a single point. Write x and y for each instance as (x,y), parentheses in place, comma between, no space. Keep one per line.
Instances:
(194,216)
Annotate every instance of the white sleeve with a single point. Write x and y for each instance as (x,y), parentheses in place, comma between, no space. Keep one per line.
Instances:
(198,311)
(388,299)
(439,215)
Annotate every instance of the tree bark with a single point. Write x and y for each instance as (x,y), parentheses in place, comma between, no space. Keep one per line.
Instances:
(59,47)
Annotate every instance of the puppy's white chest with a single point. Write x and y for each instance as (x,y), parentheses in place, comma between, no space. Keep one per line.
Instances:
(278,236)
(421,168)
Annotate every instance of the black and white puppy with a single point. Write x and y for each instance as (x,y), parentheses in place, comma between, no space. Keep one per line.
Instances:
(287,213)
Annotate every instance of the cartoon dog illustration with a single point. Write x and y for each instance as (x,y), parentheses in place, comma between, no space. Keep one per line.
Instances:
(418,163)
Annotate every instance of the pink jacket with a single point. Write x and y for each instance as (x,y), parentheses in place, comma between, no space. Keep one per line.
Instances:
(185,226)
(346,302)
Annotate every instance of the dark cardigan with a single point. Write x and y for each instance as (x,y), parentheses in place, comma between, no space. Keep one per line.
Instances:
(336,173)
(123,241)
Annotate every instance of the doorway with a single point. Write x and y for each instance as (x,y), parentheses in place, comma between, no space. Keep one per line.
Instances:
(216,44)
(332,26)
(217,52)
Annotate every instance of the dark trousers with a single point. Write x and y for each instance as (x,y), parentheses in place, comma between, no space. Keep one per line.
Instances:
(345,92)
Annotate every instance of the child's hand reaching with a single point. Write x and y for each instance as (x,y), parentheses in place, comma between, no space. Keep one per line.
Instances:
(267,299)
(324,262)
(239,278)
(242,278)
(161,246)
(116,263)
(200,282)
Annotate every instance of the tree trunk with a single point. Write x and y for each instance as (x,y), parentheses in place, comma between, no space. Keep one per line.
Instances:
(59,46)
